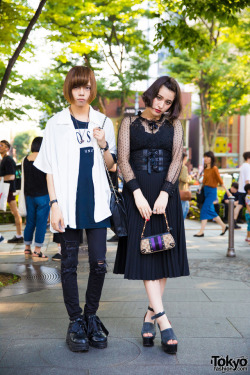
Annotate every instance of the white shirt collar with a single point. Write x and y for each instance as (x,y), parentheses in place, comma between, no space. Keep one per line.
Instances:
(64,117)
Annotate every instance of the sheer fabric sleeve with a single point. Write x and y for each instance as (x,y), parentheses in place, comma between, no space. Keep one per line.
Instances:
(175,167)
(124,155)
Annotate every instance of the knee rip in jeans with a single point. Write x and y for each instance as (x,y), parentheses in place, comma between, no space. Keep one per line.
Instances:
(98,267)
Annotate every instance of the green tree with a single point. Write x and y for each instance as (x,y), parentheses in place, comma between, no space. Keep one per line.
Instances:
(207,47)
(22,143)
(102,31)
(14,27)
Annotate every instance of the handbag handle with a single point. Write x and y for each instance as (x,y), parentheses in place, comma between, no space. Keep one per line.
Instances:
(168,229)
(106,168)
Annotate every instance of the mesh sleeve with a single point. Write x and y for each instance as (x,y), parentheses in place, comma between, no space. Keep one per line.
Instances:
(124,155)
(175,167)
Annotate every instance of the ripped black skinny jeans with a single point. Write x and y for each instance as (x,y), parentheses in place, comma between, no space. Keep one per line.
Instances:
(97,262)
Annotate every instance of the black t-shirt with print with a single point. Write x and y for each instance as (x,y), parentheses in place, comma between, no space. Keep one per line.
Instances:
(8,166)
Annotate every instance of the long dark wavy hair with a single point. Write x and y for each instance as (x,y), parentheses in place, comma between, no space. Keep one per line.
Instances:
(210,154)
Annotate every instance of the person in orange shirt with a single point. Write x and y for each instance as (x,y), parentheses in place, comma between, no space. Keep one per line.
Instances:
(211,179)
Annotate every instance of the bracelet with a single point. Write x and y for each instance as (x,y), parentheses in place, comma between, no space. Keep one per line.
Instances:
(51,202)
(106,147)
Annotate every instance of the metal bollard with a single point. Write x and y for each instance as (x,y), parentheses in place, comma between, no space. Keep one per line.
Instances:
(231,250)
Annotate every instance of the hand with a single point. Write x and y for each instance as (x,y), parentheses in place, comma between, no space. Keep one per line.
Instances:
(57,221)
(142,204)
(99,135)
(161,203)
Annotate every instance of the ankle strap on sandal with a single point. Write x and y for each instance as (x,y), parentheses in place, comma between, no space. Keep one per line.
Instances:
(150,309)
(158,315)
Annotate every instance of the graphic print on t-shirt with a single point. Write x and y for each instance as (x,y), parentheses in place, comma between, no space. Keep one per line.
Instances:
(84,137)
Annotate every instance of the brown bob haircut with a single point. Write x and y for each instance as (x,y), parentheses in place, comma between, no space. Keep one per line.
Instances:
(79,76)
(171,84)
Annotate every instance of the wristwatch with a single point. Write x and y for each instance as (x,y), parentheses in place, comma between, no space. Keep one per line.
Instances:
(54,201)
(106,147)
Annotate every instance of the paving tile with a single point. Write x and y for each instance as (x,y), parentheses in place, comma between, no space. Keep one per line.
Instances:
(228,295)
(242,325)
(13,310)
(40,371)
(200,350)
(118,352)
(146,369)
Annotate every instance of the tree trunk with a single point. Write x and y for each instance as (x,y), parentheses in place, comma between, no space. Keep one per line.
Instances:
(20,46)
(101,104)
(204,122)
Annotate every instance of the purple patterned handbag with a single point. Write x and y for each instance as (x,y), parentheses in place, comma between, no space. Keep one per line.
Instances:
(158,242)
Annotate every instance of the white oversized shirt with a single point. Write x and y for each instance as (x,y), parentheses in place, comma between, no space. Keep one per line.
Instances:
(244,176)
(59,155)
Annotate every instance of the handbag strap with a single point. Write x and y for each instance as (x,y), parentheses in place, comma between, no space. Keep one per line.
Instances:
(168,229)
(106,168)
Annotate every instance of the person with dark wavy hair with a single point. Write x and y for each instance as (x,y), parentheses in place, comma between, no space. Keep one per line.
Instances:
(150,148)
(211,179)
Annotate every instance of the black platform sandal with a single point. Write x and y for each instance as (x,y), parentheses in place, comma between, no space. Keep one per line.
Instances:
(39,257)
(166,335)
(148,328)
(28,254)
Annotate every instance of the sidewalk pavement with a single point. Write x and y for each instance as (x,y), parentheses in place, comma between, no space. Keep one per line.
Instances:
(209,311)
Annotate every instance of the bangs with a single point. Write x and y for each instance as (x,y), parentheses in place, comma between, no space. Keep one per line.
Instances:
(79,76)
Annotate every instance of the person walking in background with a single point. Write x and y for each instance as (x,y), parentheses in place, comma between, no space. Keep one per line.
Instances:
(244,179)
(184,186)
(72,154)
(8,171)
(247,214)
(211,179)
(37,204)
(150,148)
(234,191)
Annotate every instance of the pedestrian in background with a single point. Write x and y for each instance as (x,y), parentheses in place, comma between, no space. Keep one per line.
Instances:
(37,204)
(150,148)
(71,155)
(247,214)
(244,179)
(234,191)
(211,179)
(8,171)
(184,180)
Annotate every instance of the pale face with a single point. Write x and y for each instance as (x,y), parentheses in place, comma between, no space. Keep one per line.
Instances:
(163,101)
(81,95)
(3,148)
(207,160)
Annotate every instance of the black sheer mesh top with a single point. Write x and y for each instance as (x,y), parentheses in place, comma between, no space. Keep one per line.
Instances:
(137,133)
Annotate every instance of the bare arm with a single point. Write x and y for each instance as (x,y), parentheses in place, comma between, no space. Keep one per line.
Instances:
(9,177)
(57,221)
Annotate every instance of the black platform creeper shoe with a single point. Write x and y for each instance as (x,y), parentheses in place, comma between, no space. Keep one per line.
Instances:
(97,333)
(77,339)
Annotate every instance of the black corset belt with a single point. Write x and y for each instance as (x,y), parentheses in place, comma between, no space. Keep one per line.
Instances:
(148,160)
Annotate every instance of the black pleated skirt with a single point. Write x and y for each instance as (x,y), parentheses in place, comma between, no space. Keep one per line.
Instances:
(170,263)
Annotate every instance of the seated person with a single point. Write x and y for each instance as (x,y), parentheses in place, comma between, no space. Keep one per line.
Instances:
(234,191)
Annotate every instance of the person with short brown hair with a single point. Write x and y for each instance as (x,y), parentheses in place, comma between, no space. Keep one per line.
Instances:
(8,171)
(74,144)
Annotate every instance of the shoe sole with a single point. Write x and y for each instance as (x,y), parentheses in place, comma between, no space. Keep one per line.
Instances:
(28,256)
(170,349)
(102,345)
(77,347)
(56,260)
(148,341)
(38,259)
